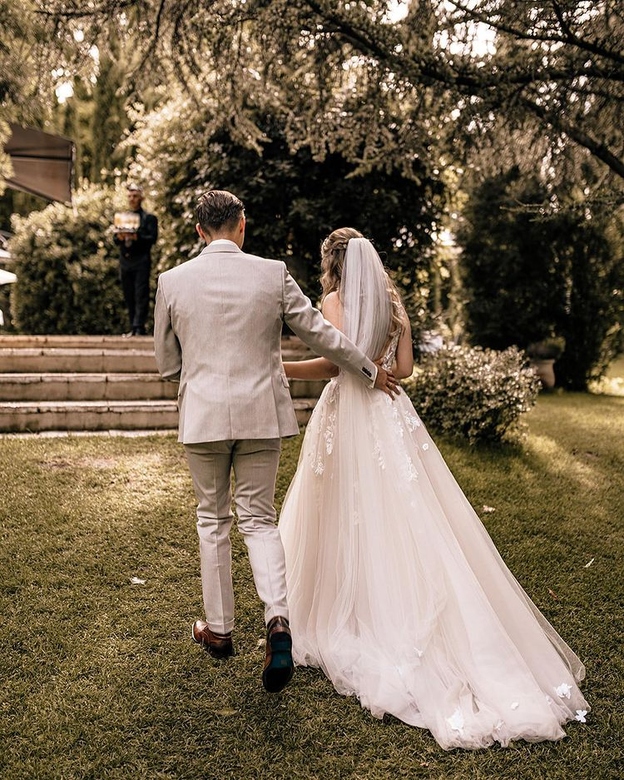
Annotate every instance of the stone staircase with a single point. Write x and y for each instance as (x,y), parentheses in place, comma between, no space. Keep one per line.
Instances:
(100,383)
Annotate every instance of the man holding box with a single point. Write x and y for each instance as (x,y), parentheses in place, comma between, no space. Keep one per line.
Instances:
(136,232)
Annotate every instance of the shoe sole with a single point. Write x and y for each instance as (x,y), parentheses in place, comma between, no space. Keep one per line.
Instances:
(279,672)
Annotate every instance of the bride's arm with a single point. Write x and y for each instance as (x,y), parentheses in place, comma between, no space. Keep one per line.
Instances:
(318,368)
(404,361)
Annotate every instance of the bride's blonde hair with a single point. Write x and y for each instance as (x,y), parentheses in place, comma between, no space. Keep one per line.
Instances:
(333,251)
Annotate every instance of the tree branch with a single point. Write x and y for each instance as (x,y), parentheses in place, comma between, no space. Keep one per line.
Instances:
(154,38)
(479,85)
(569,37)
(104,10)
(597,148)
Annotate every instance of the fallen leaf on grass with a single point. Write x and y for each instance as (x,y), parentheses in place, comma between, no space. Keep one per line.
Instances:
(553,594)
(227,712)
(488,509)
(136,581)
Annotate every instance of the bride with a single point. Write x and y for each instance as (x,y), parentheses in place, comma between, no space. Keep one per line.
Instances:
(396,591)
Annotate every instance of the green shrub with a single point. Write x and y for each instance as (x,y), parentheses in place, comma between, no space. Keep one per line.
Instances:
(473,392)
(67,268)
(529,275)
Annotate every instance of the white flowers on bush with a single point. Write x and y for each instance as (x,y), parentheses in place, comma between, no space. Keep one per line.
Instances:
(476,393)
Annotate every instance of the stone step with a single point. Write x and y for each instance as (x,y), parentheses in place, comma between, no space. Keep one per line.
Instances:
(65,360)
(35,417)
(85,387)
(38,416)
(292,344)
(306,388)
(69,360)
(108,387)
(82,383)
(75,342)
(99,357)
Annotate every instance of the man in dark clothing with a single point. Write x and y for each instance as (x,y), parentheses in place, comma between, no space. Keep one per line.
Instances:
(135,261)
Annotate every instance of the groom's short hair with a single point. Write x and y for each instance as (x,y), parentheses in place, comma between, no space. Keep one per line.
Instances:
(218,209)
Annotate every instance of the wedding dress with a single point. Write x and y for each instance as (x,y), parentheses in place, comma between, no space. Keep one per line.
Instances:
(396,590)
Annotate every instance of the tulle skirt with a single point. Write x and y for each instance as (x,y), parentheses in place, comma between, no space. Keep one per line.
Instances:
(398,593)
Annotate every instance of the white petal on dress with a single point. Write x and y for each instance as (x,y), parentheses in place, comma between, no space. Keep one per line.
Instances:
(397,591)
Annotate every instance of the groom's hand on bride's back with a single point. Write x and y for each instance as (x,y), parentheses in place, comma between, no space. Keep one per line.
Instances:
(386,381)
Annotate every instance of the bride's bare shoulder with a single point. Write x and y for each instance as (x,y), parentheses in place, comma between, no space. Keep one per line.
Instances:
(332,308)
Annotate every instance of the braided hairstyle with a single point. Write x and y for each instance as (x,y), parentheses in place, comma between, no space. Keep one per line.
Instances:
(333,251)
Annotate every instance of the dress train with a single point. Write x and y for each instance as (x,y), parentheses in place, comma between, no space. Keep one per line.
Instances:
(398,593)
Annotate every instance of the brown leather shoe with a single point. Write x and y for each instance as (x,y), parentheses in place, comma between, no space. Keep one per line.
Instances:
(278,665)
(218,645)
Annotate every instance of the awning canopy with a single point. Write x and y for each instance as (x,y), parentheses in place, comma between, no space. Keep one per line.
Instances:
(42,163)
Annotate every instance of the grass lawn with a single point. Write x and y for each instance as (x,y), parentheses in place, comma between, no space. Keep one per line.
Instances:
(100,678)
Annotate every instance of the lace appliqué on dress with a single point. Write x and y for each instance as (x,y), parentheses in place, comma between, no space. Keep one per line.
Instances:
(317,459)
(402,423)
(412,421)
(328,435)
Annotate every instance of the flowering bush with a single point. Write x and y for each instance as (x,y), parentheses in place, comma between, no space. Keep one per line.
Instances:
(473,392)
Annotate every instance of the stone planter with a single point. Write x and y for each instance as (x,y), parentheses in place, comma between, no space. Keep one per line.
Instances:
(545,370)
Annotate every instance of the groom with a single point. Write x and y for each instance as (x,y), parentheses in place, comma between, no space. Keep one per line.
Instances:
(218,324)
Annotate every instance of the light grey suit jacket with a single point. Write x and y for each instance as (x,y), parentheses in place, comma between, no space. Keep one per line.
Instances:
(217,328)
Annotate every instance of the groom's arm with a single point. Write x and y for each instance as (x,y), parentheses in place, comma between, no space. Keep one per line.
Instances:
(166,344)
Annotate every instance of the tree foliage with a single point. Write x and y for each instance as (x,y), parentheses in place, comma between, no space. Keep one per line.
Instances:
(293,200)
(324,105)
(531,275)
(555,65)
(21,81)
(512,273)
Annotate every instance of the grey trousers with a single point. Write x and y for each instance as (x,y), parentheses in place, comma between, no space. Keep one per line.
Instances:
(254,463)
